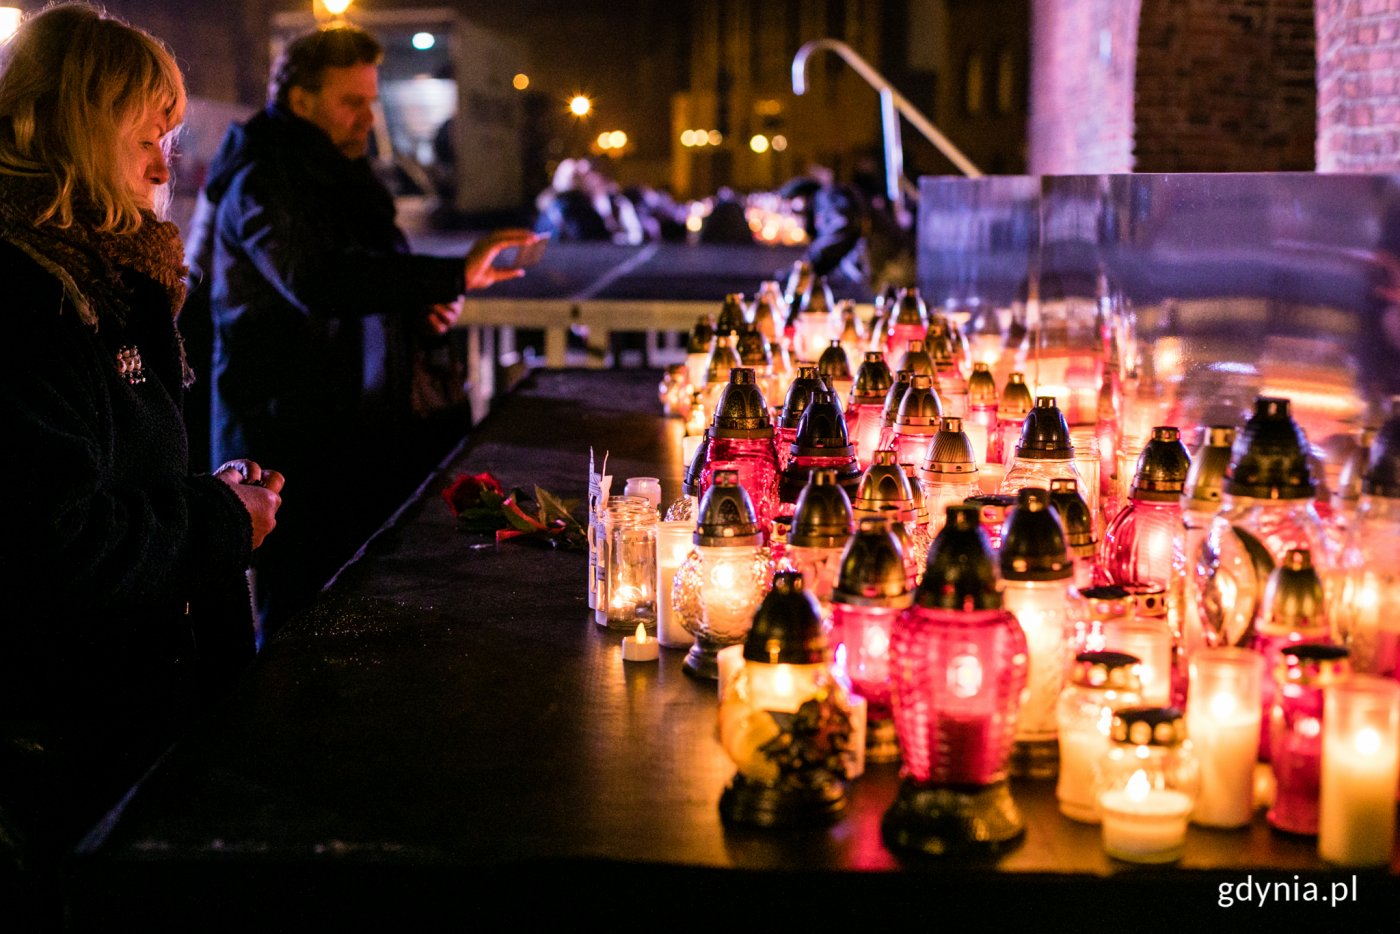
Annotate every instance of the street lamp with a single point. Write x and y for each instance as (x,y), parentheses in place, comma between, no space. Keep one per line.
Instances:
(9,21)
(334,8)
(580,106)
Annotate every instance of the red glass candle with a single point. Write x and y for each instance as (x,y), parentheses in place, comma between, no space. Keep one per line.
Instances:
(1295,731)
(867,402)
(959,667)
(821,443)
(741,439)
(1016,403)
(835,369)
(907,322)
(1294,612)
(799,396)
(919,419)
(1146,541)
(870,592)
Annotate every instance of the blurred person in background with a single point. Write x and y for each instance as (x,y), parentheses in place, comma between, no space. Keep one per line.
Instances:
(566,209)
(726,223)
(320,312)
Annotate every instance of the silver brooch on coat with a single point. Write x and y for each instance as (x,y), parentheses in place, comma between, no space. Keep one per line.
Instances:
(129,364)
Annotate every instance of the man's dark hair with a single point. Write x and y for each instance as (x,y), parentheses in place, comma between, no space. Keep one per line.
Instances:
(304,61)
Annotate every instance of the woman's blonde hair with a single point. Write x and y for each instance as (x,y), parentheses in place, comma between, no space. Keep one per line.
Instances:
(73,81)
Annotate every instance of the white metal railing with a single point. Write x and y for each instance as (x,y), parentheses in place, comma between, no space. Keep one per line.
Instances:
(892,104)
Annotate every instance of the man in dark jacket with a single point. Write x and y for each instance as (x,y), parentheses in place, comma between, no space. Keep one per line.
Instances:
(316,302)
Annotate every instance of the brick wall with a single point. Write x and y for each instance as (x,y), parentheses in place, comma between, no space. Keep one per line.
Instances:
(1083,59)
(1225,85)
(1358,85)
(1182,85)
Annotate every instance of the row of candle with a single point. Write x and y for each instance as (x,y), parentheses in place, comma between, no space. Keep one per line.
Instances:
(1144,544)
(1226,606)
(1225,722)
(1143,787)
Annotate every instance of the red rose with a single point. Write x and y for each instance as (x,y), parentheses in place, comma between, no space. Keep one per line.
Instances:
(469,491)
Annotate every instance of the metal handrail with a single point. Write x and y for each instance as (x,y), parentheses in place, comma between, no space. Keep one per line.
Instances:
(892,104)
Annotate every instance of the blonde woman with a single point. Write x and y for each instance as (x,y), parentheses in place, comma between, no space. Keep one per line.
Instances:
(122,574)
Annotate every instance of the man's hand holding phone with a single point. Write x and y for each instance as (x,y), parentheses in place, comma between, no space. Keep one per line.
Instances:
(501,255)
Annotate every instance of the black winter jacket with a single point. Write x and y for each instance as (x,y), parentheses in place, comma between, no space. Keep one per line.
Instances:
(313,291)
(123,576)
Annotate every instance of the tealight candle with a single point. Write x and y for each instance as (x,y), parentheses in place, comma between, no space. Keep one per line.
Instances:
(1147,785)
(638,648)
(1142,824)
(1222,718)
(1360,768)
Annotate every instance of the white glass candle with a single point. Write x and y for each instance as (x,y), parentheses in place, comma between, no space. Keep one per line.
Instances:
(1360,769)
(689,445)
(1042,609)
(1222,719)
(1100,683)
(1151,641)
(648,487)
(672,545)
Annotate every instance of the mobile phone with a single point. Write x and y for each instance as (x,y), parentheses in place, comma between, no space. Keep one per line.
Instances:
(520,257)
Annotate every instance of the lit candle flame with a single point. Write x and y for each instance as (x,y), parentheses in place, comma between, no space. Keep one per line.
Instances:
(641,637)
(1367,741)
(782,681)
(965,676)
(1138,787)
(877,642)
(1223,705)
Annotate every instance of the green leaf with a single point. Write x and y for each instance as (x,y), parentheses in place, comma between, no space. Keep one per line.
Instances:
(551,506)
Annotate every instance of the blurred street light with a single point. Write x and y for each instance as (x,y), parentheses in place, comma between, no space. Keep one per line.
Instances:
(580,106)
(9,21)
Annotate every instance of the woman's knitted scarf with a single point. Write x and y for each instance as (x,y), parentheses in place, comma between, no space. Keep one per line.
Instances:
(87,262)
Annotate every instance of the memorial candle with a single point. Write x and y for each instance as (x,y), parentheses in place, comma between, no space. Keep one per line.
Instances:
(672,545)
(1295,731)
(1148,784)
(1222,718)
(1142,824)
(1360,768)
(1100,683)
(958,670)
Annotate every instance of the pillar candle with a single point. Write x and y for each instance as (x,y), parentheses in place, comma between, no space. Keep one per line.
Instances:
(673,539)
(1222,719)
(1360,768)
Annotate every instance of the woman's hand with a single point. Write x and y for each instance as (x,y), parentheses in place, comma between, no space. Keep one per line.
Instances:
(258,489)
(480,273)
